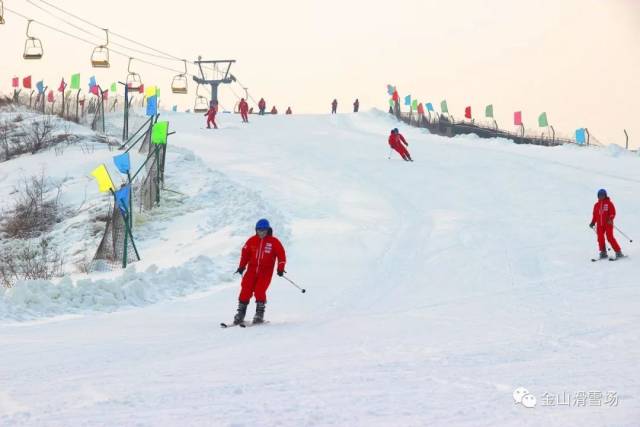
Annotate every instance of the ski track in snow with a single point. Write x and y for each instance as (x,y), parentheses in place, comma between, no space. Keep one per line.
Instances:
(434,288)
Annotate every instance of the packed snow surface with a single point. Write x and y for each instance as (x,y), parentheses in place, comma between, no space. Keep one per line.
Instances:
(434,288)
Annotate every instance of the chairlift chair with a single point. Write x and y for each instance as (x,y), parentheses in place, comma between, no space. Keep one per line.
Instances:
(179,83)
(133,79)
(201,104)
(32,46)
(100,55)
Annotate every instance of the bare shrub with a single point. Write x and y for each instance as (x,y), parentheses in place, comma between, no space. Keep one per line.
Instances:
(30,261)
(35,210)
(40,134)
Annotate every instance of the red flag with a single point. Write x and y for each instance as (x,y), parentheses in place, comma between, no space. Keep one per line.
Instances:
(62,86)
(396,96)
(94,90)
(517,118)
(50,97)
(15,82)
(420,109)
(26,82)
(105,95)
(141,89)
(467,112)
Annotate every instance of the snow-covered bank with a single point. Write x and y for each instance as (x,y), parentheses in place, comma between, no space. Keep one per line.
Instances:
(434,288)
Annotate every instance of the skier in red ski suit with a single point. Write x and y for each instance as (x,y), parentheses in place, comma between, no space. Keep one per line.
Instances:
(244,110)
(396,141)
(211,116)
(262,105)
(603,214)
(258,257)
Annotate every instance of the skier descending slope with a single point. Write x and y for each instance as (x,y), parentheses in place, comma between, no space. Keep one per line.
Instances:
(244,110)
(603,214)
(211,115)
(396,141)
(258,258)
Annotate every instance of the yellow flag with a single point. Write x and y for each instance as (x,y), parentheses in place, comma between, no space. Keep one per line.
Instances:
(104,180)
(149,91)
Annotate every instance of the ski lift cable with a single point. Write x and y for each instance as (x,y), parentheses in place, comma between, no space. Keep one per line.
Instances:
(93,35)
(125,55)
(167,55)
(89,42)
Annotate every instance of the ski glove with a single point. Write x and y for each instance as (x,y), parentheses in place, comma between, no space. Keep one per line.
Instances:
(281,272)
(240,270)
(592,224)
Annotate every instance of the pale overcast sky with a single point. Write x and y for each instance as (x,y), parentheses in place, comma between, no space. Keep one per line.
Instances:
(578,60)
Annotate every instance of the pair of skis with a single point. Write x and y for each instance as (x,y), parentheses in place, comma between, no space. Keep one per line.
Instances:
(242,325)
(610,259)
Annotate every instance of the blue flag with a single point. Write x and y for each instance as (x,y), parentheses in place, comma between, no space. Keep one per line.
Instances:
(40,86)
(580,136)
(122,162)
(407,100)
(122,198)
(152,105)
(174,108)
(390,89)
(429,106)
(92,82)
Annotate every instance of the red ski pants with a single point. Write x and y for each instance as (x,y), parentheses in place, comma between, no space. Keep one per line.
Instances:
(607,231)
(402,150)
(245,117)
(211,120)
(254,284)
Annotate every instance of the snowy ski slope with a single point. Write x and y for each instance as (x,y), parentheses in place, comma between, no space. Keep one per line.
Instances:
(434,288)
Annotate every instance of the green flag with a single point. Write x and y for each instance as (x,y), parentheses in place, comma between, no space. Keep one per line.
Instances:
(159,133)
(414,104)
(75,81)
(542,120)
(443,107)
(114,88)
(391,103)
(488,111)
(157,91)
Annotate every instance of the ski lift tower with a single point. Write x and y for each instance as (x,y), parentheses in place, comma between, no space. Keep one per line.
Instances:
(220,70)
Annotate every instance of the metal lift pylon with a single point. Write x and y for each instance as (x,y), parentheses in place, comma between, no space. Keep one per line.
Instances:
(222,66)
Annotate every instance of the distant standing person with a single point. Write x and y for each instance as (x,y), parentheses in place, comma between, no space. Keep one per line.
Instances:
(398,143)
(288,111)
(211,115)
(334,106)
(262,106)
(274,110)
(356,105)
(244,110)
(604,213)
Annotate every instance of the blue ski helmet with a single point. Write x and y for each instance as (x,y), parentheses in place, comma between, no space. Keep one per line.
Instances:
(602,193)
(262,224)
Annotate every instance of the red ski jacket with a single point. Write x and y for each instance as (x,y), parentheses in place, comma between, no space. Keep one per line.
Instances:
(396,139)
(244,107)
(603,211)
(260,255)
(211,113)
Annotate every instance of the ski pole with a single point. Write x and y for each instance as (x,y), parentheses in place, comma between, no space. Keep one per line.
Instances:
(294,284)
(390,150)
(620,231)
